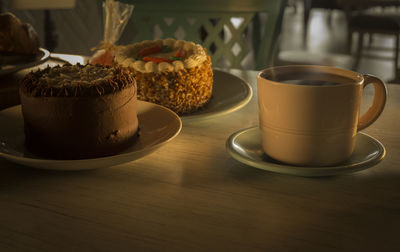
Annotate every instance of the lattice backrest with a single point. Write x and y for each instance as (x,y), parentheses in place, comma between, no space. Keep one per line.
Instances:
(229,30)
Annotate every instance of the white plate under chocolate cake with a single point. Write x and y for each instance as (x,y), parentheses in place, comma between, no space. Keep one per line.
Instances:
(176,74)
(79,111)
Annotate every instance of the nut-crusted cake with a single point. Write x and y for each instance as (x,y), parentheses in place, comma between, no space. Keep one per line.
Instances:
(173,73)
(79,111)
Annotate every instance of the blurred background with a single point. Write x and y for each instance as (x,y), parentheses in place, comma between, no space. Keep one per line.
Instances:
(325,32)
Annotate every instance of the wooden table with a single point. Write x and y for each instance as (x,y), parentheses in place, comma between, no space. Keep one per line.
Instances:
(191,195)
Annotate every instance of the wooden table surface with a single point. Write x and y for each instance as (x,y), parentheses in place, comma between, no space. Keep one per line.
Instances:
(191,195)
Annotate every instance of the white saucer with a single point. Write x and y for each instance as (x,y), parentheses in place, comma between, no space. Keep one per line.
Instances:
(158,125)
(230,93)
(245,147)
(15,63)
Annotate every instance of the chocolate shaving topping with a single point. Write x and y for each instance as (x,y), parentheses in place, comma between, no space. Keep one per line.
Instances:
(77,81)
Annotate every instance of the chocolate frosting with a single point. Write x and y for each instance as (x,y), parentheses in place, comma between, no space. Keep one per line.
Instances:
(76,81)
(80,127)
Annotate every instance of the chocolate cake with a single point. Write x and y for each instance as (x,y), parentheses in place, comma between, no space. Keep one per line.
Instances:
(176,74)
(79,111)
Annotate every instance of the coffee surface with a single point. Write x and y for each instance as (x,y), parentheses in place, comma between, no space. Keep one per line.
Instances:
(312,82)
(308,78)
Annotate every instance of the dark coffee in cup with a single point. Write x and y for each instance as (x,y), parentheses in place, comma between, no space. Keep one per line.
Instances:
(307,78)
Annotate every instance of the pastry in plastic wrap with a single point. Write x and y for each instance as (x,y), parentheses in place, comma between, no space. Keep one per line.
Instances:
(117,15)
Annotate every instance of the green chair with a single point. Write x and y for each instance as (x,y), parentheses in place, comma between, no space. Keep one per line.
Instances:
(236,33)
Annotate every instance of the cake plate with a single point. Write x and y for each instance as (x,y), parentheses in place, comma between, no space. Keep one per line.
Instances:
(229,94)
(11,64)
(158,125)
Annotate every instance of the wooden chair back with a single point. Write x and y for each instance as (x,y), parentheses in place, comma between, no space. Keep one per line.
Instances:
(236,33)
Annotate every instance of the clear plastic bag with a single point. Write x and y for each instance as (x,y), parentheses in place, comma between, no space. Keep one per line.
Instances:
(116,16)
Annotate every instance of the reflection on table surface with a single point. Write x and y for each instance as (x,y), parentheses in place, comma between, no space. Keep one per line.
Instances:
(191,195)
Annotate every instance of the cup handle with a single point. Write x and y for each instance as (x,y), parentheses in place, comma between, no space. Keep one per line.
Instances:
(377,105)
